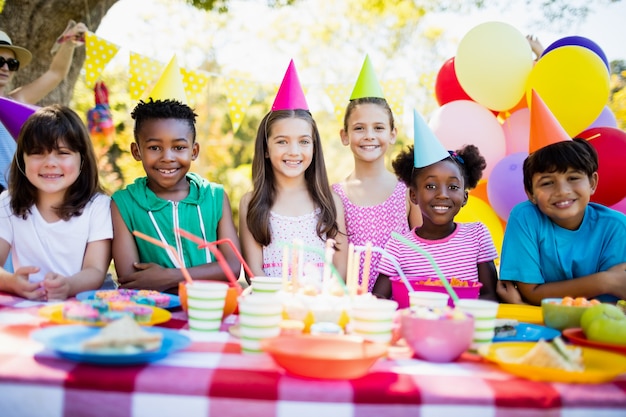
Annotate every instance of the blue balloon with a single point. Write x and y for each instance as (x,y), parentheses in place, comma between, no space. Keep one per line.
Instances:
(579,41)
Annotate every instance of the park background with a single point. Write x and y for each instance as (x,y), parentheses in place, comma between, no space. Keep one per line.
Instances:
(238,50)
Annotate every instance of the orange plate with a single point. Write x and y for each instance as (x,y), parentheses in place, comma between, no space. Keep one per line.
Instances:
(324,356)
(54,313)
(577,336)
(521,312)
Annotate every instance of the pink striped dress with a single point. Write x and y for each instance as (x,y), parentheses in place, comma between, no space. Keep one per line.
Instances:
(375,223)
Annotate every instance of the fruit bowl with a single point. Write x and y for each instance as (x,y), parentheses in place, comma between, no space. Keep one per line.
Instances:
(437,340)
(324,356)
(559,316)
(230,304)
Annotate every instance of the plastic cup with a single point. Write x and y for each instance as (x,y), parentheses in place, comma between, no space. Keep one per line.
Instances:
(484,313)
(428,299)
(266,285)
(205,305)
(259,318)
(372,319)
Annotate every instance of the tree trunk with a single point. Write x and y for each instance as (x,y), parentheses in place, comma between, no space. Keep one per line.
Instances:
(36,24)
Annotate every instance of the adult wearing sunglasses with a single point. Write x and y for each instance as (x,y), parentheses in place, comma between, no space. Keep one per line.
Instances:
(12,58)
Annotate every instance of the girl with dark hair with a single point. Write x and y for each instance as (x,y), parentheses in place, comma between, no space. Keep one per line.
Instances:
(54,218)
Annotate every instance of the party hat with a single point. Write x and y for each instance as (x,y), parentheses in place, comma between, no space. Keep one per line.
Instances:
(170,84)
(13,114)
(290,95)
(367,84)
(545,129)
(427,149)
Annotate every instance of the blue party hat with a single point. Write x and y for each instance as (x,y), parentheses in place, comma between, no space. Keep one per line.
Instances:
(427,148)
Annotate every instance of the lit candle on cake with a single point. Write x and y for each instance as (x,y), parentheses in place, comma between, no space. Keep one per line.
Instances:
(285,267)
(328,261)
(350,267)
(365,279)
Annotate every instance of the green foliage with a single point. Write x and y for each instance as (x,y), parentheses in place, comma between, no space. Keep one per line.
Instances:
(617,100)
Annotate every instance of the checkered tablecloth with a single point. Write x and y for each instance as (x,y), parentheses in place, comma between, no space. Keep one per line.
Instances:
(212,378)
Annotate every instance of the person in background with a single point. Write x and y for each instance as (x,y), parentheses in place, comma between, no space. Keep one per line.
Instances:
(167,198)
(558,243)
(12,58)
(375,202)
(291,197)
(439,182)
(54,218)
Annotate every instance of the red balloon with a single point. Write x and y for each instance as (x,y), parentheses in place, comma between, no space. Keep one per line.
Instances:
(447,87)
(611,148)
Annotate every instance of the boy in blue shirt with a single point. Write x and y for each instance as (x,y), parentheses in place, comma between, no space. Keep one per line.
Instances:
(558,243)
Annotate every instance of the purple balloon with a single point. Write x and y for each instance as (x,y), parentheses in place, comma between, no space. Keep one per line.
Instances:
(605,119)
(579,41)
(505,186)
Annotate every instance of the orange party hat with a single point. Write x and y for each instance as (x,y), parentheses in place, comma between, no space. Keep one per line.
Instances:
(544,128)
(290,95)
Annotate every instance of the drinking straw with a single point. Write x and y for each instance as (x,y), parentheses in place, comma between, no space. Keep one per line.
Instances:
(203,243)
(157,242)
(430,259)
(395,263)
(218,255)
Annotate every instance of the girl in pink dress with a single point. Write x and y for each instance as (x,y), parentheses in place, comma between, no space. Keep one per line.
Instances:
(375,202)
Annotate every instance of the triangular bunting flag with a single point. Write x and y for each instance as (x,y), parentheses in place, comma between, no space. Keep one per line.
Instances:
(338,95)
(195,82)
(98,53)
(143,71)
(239,94)
(545,129)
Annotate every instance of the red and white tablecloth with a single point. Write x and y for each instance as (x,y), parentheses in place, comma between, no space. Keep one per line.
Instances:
(212,378)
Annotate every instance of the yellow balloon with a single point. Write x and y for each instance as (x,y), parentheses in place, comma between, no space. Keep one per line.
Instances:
(574,83)
(477,210)
(492,64)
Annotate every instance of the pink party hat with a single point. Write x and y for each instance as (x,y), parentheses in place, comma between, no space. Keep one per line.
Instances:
(290,95)
(13,114)
(170,85)
(367,84)
(427,149)
(545,129)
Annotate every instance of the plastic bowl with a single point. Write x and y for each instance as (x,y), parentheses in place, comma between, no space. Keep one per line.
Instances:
(230,305)
(401,294)
(441,340)
(324,356)
(560,316)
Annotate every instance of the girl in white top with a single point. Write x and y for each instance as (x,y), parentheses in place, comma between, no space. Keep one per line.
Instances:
(291,198)
(54,218)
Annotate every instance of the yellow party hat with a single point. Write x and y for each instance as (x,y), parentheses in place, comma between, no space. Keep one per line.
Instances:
(170,84)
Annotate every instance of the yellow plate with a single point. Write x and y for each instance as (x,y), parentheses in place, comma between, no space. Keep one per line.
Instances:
(54,313)
(600,365)
(521,312)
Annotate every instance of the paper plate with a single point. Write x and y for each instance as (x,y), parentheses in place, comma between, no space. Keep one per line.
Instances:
(54,313)
(521,312)
(528,332)
(600,366)
(66,341)
(577,336)
(90,295)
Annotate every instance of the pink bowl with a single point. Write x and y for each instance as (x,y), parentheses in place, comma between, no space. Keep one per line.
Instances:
(436,340)
(400,294)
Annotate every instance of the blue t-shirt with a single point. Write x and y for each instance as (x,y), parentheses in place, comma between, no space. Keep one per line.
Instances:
(535,250)
(7,150)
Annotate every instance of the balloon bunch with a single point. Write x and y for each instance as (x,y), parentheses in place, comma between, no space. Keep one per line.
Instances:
(484,94)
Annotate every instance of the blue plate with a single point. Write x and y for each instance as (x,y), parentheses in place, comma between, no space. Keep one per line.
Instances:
(90,295)
(527,332)
(66,341)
